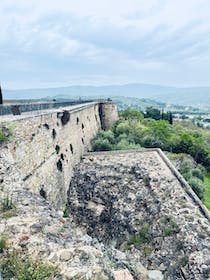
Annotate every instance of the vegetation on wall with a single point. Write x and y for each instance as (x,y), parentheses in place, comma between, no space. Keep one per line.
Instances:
(2,136)
(5,132)
(17,265)
(136,131)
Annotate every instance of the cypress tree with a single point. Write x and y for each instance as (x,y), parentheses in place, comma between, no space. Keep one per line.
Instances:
(170,118)
(1,97)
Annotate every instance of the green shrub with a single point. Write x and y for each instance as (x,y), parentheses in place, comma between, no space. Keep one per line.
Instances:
(3,242)
(66,212)
(186,166)
(125,145)
(142,237)
(187,176)
(109,135)
(123,128)
(197,186)
(184,261)
(101,144)
(132,114)
(147,251)
(5,131)
(7,204)
(19,266)
(146,181)
(2,136)
(196,172)
(170,227)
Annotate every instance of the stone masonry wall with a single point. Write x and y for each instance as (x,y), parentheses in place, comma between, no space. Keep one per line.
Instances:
(45,148)
(108,114)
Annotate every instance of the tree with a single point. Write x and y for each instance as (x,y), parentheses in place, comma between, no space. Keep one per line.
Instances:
(1,97)
(170,118)
(153,113)
(132,114)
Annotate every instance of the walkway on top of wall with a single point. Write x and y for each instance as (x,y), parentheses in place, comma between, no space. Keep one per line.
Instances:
(32,114)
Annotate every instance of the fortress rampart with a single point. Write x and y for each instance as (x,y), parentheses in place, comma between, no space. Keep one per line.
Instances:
(45,147)
(114,199)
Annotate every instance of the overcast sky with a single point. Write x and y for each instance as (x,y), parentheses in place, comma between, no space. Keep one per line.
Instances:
(63,42)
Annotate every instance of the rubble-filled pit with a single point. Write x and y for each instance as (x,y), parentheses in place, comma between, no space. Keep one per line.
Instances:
(133,201)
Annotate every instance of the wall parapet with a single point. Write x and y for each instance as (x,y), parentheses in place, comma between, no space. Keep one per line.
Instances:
(7,109)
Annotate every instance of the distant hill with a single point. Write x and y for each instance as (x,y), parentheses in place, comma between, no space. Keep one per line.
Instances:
(191,96)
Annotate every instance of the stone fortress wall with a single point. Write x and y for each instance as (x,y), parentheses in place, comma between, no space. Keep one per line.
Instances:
(45,147)
(108,113)
(119,191)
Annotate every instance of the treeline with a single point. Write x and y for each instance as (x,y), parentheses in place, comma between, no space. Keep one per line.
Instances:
(157,114)
(135,130)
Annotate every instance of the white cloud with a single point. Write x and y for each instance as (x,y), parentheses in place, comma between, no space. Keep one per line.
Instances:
(112,37)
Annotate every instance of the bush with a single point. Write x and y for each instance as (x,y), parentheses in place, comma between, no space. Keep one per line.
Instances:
(7,204)
(66,212)
(5,132)
(186,166)
(170,229)
(101,144)
(17,265)
(142,237)
(109,135)
(197,172)
(148,141)
(2,136)
(125,145)
(197,186)
(207,162)
(123,128)
(3,242)
(183,143)
(132,114)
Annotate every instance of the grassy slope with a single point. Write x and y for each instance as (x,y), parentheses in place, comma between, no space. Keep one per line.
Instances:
(207,191)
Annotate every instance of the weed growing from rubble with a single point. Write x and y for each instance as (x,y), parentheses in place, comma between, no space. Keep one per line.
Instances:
(142,237)
(184,261)
(146,181)
(147,251)
(3,242)
(170,227)
(7,204)
(17,265)
(66,212)
(2,136)
(7,208)
(6,131)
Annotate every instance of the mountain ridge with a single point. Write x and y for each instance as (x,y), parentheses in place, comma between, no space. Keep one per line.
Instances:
(188,96)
